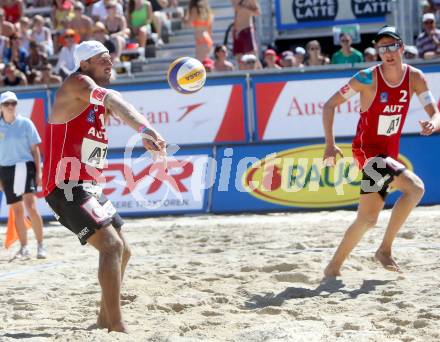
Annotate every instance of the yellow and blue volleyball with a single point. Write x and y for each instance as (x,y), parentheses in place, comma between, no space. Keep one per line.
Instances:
(186,75)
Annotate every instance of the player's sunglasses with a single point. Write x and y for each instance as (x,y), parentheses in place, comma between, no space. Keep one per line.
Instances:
(388,48)
(7,104)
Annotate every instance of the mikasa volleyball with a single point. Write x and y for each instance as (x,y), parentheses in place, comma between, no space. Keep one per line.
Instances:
(186,75)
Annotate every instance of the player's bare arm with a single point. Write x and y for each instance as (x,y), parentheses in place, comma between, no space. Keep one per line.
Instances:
(87,91)
(420,87)
(117,105)
(357,84)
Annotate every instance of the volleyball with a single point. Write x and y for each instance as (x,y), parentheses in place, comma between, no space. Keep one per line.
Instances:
(186,75)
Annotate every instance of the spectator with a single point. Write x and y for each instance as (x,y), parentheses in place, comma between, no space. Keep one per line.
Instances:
(208,63)
(244,33)
(100,34)
(314,56)
(99,10)
(347,54)
(47,76)
(116,26)
(81,23)
(200,18)
(300,55)
(370,55)
(428,42)
(36,58)
(13,77)
(140,14)
(288,59)
(66,62)
(16,54)
(7,29)
(24,32)
(248,62)
(160,18)
(42,35)
(410,52)
(13,10)
(221,62)
(270,59)
(62,13)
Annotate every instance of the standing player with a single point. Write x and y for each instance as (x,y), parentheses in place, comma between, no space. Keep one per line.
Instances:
(76,147)
(385,93)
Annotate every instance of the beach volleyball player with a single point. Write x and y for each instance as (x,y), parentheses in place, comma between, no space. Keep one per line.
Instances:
(75,151)
(385,93)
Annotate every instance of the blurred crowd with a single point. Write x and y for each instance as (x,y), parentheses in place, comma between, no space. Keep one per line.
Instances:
(426,46)
(38,37)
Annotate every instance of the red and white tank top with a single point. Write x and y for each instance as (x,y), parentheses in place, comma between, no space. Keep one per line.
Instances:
(379,128)
(75,150)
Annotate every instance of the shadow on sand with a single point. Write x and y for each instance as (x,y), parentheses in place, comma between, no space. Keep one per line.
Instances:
(20,336)
(326,288)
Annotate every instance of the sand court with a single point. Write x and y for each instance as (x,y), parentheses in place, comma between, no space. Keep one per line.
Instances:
(233,278)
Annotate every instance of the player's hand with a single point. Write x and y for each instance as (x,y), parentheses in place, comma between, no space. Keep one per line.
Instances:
(156,145)
(428,127)
(330,154)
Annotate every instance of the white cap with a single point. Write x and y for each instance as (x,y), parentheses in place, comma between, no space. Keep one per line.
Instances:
(428,16)
(370,51)
(300,50)
(86,50)
(248,58)
(411,49)
(8,96)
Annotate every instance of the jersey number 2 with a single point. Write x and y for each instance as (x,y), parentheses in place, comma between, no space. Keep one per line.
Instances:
(404,94)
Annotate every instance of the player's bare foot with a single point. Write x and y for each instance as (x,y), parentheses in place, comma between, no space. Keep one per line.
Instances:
(387,261)
(118,327)
(331,271)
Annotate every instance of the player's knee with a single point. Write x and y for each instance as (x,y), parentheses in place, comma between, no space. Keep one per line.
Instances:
(31,207)
(367,221)
(126,253)
(416,189)
(113,246)
(419,188)
(18,209)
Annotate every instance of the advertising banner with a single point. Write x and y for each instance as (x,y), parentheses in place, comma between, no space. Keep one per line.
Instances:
(295,14)
(138,186)
(278,177)
(214,114)
(35,107)
(290,107)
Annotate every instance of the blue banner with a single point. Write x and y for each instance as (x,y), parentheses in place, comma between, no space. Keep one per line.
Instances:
(291,176)
(300,14)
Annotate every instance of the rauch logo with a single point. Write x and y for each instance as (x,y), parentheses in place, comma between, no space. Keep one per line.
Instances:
(299,178)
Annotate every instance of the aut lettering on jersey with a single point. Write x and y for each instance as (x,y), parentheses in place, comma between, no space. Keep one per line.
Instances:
(393,108)
(97,133)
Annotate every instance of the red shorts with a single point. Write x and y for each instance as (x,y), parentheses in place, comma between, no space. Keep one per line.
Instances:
(244,41)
